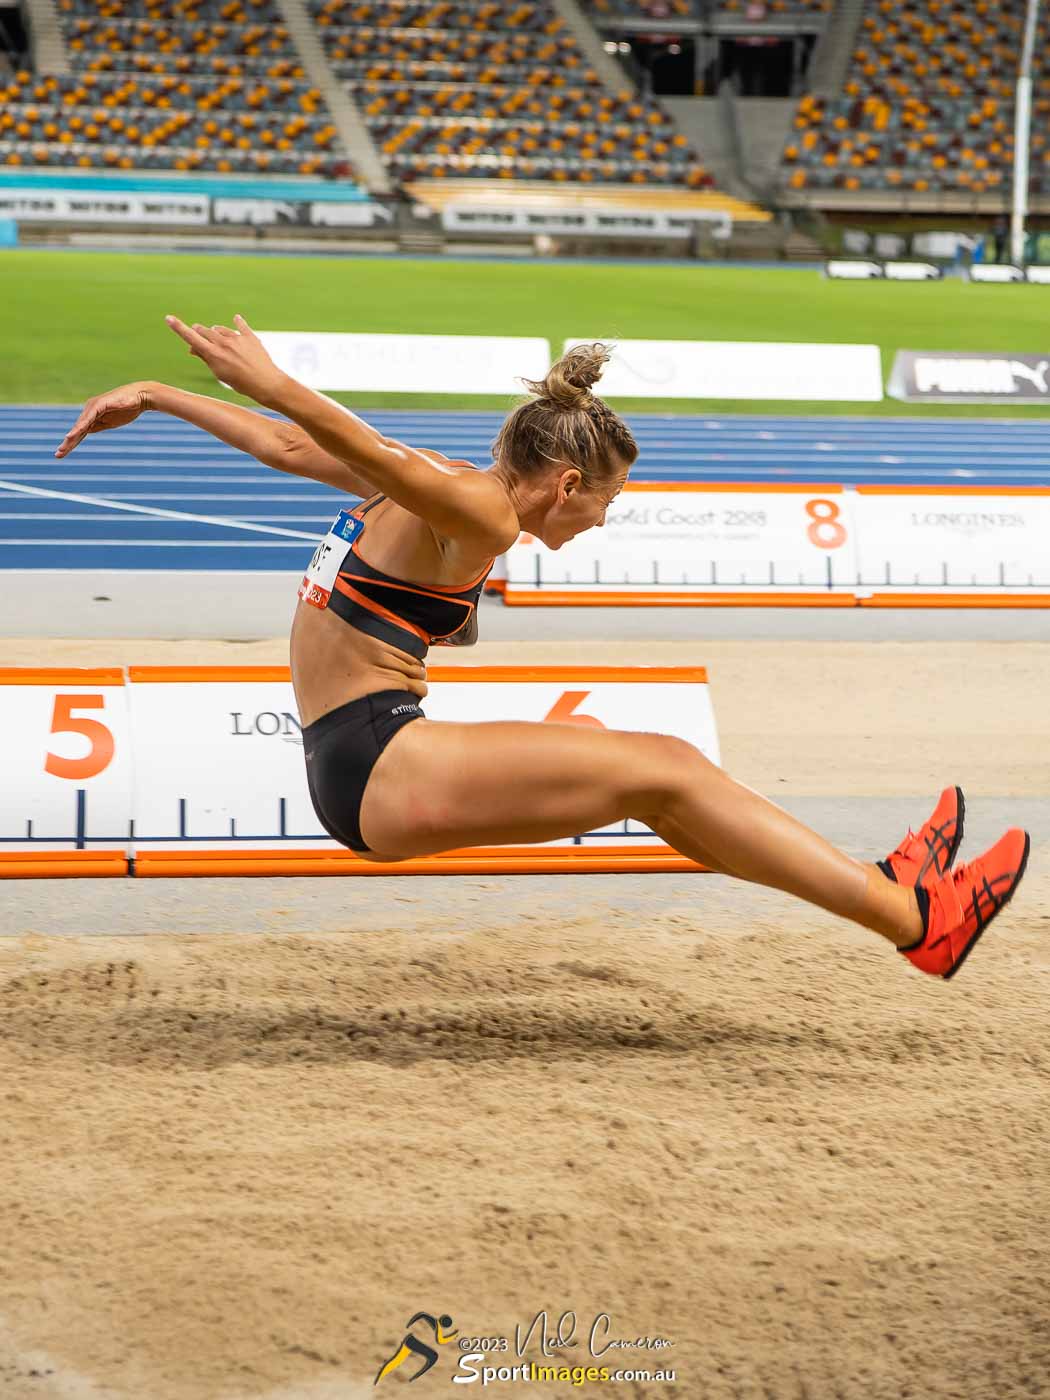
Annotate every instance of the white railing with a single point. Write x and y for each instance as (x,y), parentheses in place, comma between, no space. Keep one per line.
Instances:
(1022,134)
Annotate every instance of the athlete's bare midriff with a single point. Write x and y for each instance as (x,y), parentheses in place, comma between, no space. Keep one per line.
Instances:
(332,662)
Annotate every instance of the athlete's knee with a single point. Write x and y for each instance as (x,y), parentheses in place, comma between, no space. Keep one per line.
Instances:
(670,766)
(680,757)
(691,768)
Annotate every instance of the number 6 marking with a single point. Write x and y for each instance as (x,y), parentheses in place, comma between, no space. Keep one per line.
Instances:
(563,711)
(63,721)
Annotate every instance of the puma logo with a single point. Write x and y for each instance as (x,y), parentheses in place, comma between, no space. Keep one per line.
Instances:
(1036,377)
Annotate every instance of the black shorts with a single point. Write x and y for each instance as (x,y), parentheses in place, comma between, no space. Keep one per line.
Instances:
(341,750)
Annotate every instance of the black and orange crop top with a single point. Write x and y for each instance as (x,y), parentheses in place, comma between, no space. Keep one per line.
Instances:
(407,615)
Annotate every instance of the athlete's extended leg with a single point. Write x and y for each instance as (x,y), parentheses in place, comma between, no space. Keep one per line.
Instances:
(440,786)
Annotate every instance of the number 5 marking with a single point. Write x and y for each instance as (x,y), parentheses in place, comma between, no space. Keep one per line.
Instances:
(63,721)
(562,713)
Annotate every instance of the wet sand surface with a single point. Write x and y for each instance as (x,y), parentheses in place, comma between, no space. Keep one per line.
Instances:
(249,1128)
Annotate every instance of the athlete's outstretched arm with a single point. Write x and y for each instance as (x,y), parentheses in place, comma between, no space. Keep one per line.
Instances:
(282,445)
(456,500)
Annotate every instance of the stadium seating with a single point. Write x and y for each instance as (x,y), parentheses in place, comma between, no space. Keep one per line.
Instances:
(643,9)
(703,10)
(498,89)
(206,85)
(572,133)
(927,104)
(166,122)
(775,9)
(435,15)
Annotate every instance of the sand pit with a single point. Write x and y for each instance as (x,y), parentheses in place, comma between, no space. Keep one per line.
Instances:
(236,1164)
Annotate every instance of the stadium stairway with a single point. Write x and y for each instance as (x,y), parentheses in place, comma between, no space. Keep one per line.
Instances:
(343,110)
(47,45)
(742,138)
(763,124)
(707,124)
(831,58)
(613,75)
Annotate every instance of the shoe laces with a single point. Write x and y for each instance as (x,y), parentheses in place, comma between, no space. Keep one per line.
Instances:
(902,849)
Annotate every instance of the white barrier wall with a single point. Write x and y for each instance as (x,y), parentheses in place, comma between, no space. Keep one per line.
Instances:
(201,771)
(403,364)
(66,760)
(219,762)
(737,369)
(690,369)
(676,543)
(101,207)
(577,222)
(814,545)
(973,542)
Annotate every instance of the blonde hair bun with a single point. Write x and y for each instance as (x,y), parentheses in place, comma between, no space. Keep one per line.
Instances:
(568,382)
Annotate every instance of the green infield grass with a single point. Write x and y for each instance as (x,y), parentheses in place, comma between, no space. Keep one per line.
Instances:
(77,323)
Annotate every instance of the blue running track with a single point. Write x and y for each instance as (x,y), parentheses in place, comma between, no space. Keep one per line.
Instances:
(164,465)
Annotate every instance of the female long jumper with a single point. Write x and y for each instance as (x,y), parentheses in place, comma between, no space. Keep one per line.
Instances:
(404,571)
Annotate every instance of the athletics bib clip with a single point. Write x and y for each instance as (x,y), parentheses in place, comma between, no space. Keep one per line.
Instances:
(320,576)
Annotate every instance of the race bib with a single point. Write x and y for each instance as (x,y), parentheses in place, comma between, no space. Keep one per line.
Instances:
(319,579)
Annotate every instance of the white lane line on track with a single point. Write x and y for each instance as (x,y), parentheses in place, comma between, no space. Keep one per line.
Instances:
(135,456)
(137,478)
(146,510)
(297,497)
(204,451)
(59,517)
(278,571)
(704,417)
(134,449)
(829,469)
(833,473)
(683,442)
(185,496)
(657,467)
(482,440)
(682,425)
(647,423)
(855,453)
(443,420)
(481,419)
(28,542)
(47,440)
(678,454)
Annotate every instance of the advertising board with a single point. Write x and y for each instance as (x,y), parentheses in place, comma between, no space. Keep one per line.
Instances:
(195,771)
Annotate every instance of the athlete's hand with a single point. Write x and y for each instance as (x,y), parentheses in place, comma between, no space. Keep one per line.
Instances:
(114,409)
(236,357)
